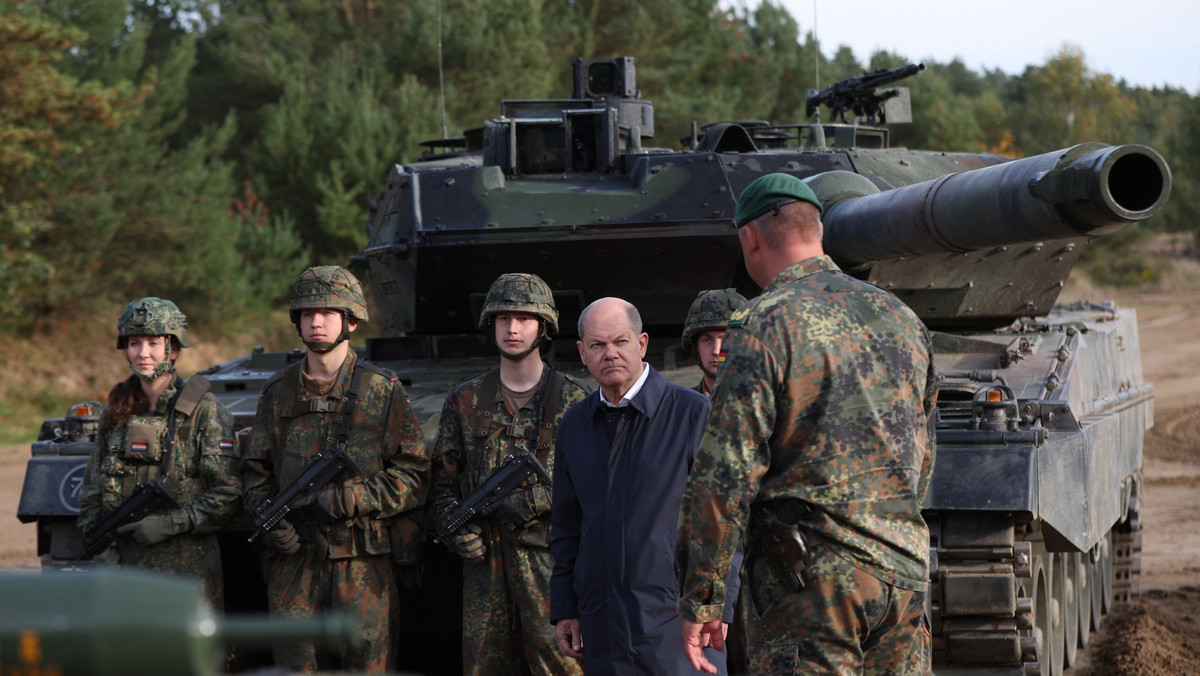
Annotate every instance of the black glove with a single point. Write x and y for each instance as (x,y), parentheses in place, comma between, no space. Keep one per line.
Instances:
(469,543)
(521,506)
(283,538)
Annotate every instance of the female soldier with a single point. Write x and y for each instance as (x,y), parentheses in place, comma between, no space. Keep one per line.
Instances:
(156,428)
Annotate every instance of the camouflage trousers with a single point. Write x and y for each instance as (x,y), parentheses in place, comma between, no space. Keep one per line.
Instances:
(506,611)
(306,584)
(843,622)
(194,556)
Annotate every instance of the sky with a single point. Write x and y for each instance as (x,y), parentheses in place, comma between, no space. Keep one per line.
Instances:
(1147,42)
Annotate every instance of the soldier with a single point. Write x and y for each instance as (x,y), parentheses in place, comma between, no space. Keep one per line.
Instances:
(818,443)
(704,331)
(333,553)
(512,409)
(154,428)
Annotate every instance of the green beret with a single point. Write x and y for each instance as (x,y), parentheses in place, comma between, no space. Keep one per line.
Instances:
(771,192)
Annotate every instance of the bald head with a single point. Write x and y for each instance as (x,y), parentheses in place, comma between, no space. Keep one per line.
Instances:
(610,304)
(612,345)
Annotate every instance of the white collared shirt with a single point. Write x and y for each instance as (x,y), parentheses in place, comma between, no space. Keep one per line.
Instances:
(632,391)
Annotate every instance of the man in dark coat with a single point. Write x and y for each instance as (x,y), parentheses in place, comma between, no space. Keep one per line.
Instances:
(621,464)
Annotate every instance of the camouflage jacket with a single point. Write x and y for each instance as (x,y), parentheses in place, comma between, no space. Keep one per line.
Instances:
(202,471)
(825,396)
(467,453)
(292,425)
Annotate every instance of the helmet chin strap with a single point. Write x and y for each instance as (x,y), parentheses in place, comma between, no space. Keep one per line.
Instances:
(161,369)
(700,363)
(537,342)
(322,347)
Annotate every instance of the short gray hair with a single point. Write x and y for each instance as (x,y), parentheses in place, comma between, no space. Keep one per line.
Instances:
(631,312)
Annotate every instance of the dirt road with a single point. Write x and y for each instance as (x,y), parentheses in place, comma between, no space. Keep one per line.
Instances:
(1159,635)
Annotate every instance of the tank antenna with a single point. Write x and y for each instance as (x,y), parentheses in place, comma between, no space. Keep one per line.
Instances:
(441,77)
(817,44)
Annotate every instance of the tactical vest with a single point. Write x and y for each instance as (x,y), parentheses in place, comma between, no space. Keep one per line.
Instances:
(348,538)
(142,451)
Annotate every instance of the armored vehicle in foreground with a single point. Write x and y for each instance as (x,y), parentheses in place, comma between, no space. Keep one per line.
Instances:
(1034,504)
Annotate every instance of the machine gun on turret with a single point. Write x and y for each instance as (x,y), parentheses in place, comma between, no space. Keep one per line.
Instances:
(861,94)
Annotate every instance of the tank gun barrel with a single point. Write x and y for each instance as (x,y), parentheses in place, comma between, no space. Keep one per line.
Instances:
(125,622)
(1087,190)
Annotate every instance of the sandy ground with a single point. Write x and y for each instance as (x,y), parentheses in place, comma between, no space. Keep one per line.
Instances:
(1159,635)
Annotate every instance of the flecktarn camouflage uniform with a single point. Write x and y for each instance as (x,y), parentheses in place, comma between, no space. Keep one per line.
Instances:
(506,596)
(202,474)
(824,398)
(342,565)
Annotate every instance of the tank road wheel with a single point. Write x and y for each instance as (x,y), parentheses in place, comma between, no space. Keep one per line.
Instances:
(1055,636)
(1037,589)
(1066,588)
(1087,580)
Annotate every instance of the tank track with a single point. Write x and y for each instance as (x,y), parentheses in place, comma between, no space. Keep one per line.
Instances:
(1000,603)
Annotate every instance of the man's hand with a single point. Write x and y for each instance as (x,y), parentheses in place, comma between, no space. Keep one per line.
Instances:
(335,502)
(150,530)
(108,556)
(521,506)
(570,638)
(469,543)
(696,637)
(283,538)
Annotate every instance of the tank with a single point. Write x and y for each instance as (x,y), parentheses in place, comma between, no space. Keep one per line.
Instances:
(1033,508)
(118,621)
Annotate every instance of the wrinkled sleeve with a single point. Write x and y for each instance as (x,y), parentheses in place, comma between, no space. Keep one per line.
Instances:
(403,482)
(733,457)
(448,458)
(89,491)
(566,519)
(220,470)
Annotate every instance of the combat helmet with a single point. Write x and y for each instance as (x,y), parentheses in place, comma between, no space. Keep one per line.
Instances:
(332,287)
(328,286)
(710,310)
(152,317)
(520,292)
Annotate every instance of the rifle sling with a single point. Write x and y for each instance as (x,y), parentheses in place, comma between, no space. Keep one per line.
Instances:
(346,416)
(185,401)
(548,401)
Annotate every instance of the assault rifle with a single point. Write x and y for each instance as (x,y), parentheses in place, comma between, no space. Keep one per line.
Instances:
(146,498)
(512,472)
(858,94)
(319,471)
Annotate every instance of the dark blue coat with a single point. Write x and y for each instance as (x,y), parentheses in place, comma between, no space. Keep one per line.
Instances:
(615,519)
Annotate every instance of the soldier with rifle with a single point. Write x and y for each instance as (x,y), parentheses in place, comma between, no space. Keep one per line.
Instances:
(492,490)
(336,452)
(163,476)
